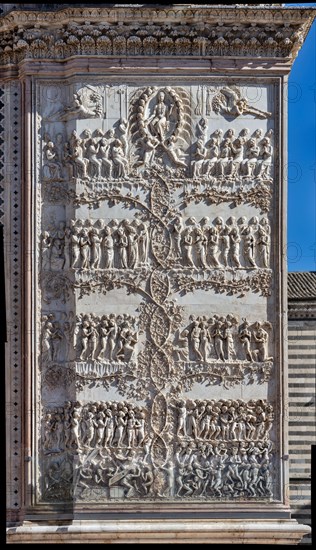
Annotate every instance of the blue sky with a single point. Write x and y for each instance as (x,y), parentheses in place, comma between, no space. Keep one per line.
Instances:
(301,250)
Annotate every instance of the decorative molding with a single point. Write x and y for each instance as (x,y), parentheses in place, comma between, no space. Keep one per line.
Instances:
(79,32)
(11,170)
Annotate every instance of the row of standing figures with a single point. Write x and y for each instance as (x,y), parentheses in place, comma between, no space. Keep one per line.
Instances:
(222,245)
(221,339)
(101,425)
(83,246)
(225,421)
(126,244)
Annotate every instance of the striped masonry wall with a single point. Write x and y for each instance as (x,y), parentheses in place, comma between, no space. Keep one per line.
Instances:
(302,385)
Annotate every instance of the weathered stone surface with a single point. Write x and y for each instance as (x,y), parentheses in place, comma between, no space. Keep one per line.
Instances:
(153,297)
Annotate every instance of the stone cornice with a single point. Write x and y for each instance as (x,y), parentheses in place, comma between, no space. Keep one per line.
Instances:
(180,30)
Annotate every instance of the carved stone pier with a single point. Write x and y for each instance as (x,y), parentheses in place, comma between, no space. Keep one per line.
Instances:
(143,156)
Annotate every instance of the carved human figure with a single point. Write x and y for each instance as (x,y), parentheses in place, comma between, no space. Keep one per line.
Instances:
(88,429)
(199,159)
(235,105)
(48,434)
(103,337)
(196,341)
(245,338)
(225,244)
(204,339)
(130,429)
(268,422)
(249,246)
(100,429)
(224,158)
(140,428)
(129,344)
(57,258)
(122,245)
(68,337)
(109,424)
(213,247)
(252,152)
(47,334)
(122,130)
(201,130)
(235,246)
(174,153)
(79,162)
(120,428)
(218,339)
(52,166)
(265,161)
(182,349)
(261,337)
(108,248)
(75,246)
(211,163)
(132,245)
(176,232)
(229,339)
(95,243)
(104,157)
(182,419)
(112,334)
(85,330)
(143,243)
(237,150)
(119,159)
(150,144)
(205,423)
(94,163)
(264,242)
(158,121)
(93,336)
(85,248)
(187,244)
(46,250)
(200,245)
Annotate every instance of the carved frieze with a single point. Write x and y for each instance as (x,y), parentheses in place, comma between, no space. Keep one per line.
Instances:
(152,196)
(160,33)
(221,449)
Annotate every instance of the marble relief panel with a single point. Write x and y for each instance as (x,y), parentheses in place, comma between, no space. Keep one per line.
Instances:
(156,348)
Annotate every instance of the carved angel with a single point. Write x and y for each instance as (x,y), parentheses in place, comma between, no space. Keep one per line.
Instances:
(86,103)
(230,101)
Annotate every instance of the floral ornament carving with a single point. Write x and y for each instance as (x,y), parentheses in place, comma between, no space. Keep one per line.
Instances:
(56,287)
(220,282)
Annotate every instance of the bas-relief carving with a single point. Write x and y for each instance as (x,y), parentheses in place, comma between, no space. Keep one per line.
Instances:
(219,449)
(126,244)
(177,148)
